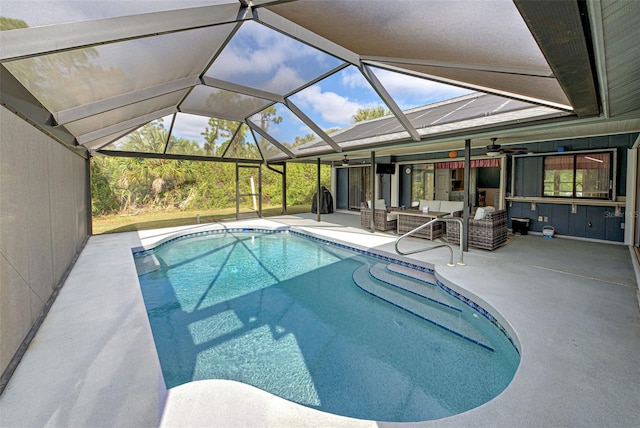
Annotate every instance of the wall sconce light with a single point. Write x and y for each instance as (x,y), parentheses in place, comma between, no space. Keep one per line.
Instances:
(533,206)
(574,209)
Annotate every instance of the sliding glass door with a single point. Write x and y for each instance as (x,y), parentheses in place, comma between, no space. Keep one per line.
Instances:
(359,186)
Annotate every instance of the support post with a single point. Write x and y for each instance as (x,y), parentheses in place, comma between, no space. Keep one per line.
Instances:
(89,202)
(237,192)
(284,188)
(372,223)
(465,212)
(318,196)
(260,191)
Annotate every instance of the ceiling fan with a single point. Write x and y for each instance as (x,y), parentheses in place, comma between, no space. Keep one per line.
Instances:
(494,149)
(345,161)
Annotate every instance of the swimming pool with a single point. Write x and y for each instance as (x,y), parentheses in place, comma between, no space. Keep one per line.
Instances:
(301,320)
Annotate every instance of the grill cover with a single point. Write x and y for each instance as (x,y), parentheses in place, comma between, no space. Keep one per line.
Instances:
(326,201)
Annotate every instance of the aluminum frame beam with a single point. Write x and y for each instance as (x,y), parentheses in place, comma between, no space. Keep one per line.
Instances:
(557,27)
(389,101)
(464,66)
(272,140)
(35,41)
(245,90)
(311,124)
(125,154)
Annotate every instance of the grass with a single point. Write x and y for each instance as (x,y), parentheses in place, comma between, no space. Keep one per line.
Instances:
(159,219)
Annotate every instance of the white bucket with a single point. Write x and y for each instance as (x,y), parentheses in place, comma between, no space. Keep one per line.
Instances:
(548,231)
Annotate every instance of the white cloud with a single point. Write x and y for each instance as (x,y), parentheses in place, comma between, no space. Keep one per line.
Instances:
(353,78)
(259,56)
(189,126)
(333,108)
(283,80)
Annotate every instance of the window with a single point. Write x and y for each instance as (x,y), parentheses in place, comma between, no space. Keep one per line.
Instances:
(585,175)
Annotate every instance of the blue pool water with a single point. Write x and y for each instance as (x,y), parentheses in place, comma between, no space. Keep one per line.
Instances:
(282,313)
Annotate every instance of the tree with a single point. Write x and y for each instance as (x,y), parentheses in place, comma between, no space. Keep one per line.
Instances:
(11,24)
(370,113)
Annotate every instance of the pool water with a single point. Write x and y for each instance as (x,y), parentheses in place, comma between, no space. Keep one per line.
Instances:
(282,313)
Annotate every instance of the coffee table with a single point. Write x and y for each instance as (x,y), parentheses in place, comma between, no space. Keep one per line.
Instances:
(410,219)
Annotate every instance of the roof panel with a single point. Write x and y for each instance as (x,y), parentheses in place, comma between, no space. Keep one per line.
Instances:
(214,102)
(68,79)
(36,13)
(487,34)
(264,59)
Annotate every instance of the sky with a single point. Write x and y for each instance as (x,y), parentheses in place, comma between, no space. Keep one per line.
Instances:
(264,59)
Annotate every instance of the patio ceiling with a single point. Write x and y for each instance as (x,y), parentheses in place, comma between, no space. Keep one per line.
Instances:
(89,73)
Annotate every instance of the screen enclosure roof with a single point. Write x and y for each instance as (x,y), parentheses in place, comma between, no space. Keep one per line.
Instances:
(299,79)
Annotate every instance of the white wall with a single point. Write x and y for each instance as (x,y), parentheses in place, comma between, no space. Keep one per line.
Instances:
(43,223)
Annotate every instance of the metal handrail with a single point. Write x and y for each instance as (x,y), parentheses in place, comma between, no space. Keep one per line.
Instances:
(429,223)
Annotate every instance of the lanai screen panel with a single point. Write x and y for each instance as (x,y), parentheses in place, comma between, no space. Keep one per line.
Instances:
(336,101)
(150,138)
(264,59)
(280,123)
(243,146)
(214,102)
(199,135)
(122,114)
(64,80)
(38,13)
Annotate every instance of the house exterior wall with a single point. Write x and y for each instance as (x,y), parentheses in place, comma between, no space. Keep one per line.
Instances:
(44,221)
(589,221)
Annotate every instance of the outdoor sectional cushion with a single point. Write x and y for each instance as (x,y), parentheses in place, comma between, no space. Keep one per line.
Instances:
(451,206)
(482,212)
(380,204)
(433,205)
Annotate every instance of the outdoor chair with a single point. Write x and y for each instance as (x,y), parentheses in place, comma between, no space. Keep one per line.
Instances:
(487,230)
(383,219)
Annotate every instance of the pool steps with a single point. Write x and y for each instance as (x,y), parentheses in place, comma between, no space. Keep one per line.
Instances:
(382,273)
(438,313)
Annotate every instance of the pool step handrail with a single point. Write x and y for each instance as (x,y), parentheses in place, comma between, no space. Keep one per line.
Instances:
(429,223)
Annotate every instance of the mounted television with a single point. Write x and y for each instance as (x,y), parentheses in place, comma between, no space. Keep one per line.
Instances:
(385,168)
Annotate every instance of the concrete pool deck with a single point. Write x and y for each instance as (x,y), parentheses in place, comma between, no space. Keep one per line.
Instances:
(572,305)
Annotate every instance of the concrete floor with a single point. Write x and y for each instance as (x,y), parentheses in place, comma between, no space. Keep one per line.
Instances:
(572,306)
